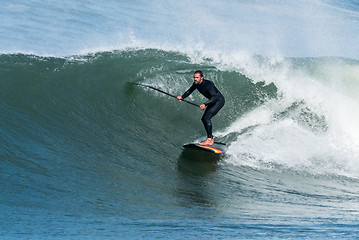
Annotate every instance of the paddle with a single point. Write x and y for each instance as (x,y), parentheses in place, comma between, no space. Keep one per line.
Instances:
(159,90)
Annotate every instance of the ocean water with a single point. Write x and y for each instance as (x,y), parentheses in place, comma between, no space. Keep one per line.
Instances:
(87,154)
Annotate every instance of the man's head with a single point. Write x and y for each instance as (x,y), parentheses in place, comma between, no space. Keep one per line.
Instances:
(198,77)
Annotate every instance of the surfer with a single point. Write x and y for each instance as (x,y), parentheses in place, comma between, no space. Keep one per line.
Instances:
(213,105)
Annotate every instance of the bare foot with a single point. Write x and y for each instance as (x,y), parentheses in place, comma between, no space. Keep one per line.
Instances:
(207,142)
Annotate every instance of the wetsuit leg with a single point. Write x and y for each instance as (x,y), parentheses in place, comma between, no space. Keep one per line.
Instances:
(211,111)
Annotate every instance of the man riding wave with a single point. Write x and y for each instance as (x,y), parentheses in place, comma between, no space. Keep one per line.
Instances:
(213,105)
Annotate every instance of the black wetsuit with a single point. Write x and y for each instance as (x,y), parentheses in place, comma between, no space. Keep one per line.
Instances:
(214,104)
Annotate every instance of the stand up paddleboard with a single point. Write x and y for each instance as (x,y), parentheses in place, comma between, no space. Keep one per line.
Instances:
(217,148)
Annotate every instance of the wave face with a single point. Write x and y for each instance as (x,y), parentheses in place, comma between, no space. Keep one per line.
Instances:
(87,153)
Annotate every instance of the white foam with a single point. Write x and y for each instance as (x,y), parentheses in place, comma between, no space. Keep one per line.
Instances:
(332,147)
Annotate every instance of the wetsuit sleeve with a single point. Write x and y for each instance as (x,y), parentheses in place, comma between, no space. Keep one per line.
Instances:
(214,96)
(189,91)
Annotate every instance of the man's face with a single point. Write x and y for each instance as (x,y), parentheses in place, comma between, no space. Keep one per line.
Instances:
(197,78)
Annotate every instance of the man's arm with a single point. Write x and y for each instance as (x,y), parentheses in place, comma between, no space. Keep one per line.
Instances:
(187,93)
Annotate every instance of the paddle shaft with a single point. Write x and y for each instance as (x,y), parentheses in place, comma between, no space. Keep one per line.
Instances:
(168,94)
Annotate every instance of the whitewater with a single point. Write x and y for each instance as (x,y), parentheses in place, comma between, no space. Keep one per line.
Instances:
(85,153)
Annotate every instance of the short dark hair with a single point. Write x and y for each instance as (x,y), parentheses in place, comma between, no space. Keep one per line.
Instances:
(200,72)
